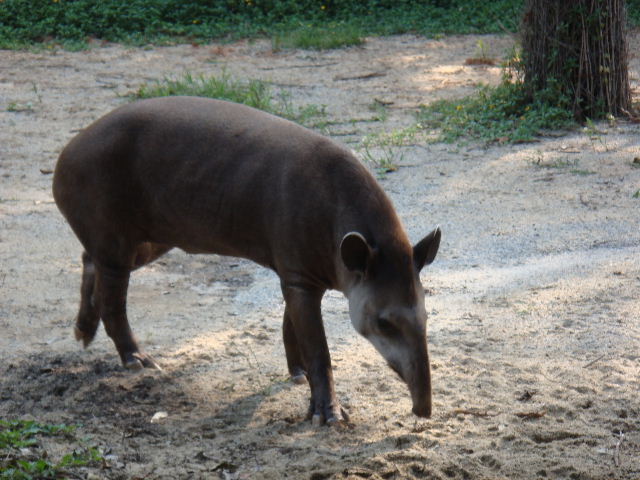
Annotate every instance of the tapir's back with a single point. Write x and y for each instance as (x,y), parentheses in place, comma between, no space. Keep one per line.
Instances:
(211,176)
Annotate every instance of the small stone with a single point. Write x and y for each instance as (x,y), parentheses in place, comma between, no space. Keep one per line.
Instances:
(158,416)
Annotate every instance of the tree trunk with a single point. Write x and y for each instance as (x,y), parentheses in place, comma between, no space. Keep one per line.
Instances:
(579,49)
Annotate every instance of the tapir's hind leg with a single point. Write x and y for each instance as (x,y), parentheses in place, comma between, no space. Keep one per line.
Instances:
(111,294)
(88,317)
(104,295)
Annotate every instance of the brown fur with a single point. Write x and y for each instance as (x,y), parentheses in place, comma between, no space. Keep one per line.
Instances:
(209,176)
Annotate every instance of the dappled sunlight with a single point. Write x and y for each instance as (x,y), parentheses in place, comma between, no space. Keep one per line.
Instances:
(558,305)
(436,69)
(211,344)
(533,272)
(450,81)
(532,300)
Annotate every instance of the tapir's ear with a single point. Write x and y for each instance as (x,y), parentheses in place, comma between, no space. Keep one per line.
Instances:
(355,252)
(424,252)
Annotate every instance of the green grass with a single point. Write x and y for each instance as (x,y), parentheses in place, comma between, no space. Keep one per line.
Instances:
(504,114)
(21,457)
(566,164)
(383,150)
(254,93)
(396,138)
(380,111)
(19,107)
(383,159)
(71,22)
(23,22)
(311,37)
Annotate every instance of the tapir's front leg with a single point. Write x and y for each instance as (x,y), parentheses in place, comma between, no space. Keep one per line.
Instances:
(294,358)
(303,311)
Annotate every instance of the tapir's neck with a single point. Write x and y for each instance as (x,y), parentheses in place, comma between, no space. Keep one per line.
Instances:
(366,209)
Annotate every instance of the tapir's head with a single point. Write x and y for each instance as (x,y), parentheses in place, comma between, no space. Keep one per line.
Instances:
(386,305)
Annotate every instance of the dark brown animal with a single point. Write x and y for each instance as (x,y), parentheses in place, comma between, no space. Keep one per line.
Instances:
(210,176)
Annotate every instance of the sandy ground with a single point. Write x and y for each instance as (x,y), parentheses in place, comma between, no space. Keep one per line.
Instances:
(534,299)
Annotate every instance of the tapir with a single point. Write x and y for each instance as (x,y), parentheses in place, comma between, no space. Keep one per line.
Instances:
(210,176)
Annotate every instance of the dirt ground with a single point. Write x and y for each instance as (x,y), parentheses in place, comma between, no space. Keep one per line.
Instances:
(534,299)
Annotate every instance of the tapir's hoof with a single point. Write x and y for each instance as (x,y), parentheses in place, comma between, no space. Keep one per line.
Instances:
(298,375)
(332,417)
(85,337)
(422,411)
(318,419)
(300,379)
(138,361)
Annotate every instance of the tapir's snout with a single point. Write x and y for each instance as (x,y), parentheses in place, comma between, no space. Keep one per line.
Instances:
(422,412)
(417,375)
(420,386)
(410,360)
(423,408)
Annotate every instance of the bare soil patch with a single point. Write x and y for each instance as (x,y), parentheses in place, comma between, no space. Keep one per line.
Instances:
(534,299)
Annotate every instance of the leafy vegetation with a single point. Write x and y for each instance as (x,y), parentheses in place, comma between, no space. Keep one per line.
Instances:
(23,22)
(633,12)
(22,433)
(519,110)
(383,159)
(383,151)
(22,459)
(254,93)
(73,22)
(509,113)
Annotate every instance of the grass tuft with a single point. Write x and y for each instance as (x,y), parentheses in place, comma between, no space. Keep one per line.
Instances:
(507,113)
(326,37)
(254,93)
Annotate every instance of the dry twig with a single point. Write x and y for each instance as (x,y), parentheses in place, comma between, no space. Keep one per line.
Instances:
(594,361)
(363,76)
(530,415)
(616,454)
(475,413)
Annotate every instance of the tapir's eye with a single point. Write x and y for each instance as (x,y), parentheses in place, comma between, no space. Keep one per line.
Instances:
(387,328)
